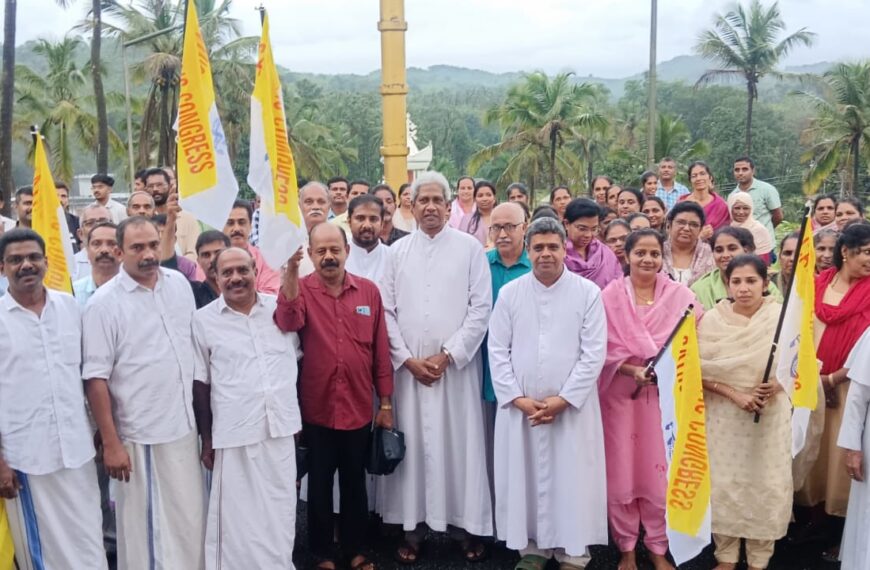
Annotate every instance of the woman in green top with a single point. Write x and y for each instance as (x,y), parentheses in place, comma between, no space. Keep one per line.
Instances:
(728,243)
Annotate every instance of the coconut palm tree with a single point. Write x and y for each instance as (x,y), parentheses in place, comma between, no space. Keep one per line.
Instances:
(536,118)
(99,91)
(672,138)
(59,102)
(745,44)
(840,133)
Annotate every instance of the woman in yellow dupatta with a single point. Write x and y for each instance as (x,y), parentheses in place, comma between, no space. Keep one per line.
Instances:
(750,463)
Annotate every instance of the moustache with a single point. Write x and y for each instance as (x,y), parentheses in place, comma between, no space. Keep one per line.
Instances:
(148,263)
(237,234)
(328,263)
(27,272)
(236,285)
(105,256)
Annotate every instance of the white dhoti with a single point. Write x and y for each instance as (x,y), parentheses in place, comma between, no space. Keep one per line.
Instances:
(160,511)
(56,521)
(252,509)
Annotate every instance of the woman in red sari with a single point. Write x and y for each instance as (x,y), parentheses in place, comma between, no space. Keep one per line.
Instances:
(842,316)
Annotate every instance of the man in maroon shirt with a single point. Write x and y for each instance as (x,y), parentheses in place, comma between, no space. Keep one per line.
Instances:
(340,320)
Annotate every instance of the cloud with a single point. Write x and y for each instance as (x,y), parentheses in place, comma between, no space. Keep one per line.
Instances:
(607,38)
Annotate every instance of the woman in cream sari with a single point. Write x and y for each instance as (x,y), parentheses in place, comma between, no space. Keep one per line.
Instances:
(750,464)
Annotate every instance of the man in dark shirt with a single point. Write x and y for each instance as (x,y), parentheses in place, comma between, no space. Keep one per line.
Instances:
(389,232)
(341,323)
(208,245)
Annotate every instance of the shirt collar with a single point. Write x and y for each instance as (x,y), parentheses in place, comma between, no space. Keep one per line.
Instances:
(222,305)
(357,250)
(523,260)
(350,282)
(130,285)
(8,303)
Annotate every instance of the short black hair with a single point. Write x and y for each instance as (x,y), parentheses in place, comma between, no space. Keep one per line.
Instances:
(110,225)
(374,189)
(335,179)
(133,221)
(854,236)
(544,211)
(102,179)
(246,205)
(19,235)
(363,199)
(155,171)
(821,197)
(23,191)
(745,259)
(356,182)
(745,159)
(211,236)
(742,235)
(61,184)
(581,208)
(687,206)
(140,174)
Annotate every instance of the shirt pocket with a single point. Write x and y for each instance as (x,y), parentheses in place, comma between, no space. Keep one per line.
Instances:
(274,341)
(362,330)
(71,349)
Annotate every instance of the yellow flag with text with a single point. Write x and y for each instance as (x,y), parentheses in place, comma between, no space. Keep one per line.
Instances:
(7,548)
(798,366)
(49,221)
(207,185)
(684,428)
(272,170)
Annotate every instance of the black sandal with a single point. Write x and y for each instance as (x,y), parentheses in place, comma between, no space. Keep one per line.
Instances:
(364,564)
(475,550)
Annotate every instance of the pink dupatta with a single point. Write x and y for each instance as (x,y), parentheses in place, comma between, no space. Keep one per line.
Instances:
(600,266)
(716,212)
(632,337)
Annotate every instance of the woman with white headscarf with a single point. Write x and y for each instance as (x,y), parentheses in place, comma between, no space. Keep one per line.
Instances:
(740,206)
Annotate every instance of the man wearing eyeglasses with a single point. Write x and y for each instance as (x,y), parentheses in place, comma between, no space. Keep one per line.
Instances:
(160,185)
(101,188)
(47,474)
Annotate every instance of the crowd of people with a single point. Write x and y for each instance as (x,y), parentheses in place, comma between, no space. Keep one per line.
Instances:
(166,410)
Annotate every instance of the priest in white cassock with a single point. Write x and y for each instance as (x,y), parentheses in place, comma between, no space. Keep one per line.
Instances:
(368,255)
(437,294)
(547,342)
(47,472)
(138,371)
(247,411)
(855,439)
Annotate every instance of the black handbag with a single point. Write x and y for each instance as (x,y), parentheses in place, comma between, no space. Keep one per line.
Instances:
(386,451)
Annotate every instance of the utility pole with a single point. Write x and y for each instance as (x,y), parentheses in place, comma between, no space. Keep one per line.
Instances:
(394,89)
(651,80)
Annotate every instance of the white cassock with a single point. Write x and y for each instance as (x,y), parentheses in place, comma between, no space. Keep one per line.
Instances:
(368,264)
(549,479)
(438,293)
(855,435)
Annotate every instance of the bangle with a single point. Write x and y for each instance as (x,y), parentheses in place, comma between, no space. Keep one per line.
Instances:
(387,407)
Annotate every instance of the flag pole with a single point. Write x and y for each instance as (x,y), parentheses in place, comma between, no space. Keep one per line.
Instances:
(262,10)
(655,360)
(785,299)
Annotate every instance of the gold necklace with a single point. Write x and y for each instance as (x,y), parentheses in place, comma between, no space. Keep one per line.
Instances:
(645,300)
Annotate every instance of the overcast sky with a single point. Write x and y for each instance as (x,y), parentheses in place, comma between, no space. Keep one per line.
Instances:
(607,38)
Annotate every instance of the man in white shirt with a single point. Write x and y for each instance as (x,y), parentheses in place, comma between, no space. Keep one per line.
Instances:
(368,255)
(437,294)
(47,473)
(247,410)
(138,367)
(547,342)
(92,215)
(101,246)
(141,203)
(101,188)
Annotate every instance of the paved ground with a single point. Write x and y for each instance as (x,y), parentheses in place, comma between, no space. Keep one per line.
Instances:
(442,553)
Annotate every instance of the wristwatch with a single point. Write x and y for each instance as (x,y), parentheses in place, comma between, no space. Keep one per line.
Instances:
(446,353)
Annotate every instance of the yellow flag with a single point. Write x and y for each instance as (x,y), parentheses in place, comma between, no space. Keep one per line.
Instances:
(49,221)
(207,185)
(799,352)
(272,170)
(681,398)
(7,549)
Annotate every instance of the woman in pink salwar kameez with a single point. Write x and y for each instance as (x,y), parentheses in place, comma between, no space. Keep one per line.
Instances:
(642,310)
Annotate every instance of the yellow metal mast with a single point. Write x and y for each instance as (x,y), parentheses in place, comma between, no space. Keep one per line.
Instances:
(393,91)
